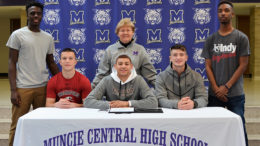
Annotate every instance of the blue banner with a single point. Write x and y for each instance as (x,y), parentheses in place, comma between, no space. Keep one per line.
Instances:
(88,26)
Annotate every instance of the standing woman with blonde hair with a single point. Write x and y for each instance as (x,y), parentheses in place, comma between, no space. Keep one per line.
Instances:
(126,44)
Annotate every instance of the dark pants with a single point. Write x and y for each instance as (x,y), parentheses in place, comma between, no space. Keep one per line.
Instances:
(235,104)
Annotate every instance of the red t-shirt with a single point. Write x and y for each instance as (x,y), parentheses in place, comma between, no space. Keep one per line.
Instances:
(74,89)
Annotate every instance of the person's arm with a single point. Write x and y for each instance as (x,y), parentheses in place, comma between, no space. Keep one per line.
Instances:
(104,68)
(148,99)
(220,95)
(86,88)
(118,104)
(185,104)
(161,94)
(94,99)
(201,97)
(13,58)
(50,102)
(62,103)
(147,69)
(243,62)
(51,64)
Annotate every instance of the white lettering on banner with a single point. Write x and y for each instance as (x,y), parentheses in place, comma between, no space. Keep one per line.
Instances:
(102,2)
(128,2)
(77,2)
(51,2)
(123,135)
(176,2)
(68,92)
(197,2)
(153,2)
(220,48)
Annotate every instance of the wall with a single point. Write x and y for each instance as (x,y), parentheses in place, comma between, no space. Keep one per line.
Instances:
(5,33)
(255,42)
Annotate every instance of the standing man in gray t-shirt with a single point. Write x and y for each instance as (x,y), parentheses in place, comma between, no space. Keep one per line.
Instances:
(30,50)
(226,53)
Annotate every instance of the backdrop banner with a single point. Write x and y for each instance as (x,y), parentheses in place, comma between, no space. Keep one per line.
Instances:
(88,26)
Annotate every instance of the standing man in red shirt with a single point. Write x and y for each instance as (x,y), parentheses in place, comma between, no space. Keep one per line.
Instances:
(68,88)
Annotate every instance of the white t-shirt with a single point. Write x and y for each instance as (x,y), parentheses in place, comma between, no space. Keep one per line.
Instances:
(33,48)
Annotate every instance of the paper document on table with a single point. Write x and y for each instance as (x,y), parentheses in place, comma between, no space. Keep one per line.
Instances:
(121,110)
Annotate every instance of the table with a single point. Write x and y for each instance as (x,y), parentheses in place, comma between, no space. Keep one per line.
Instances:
(209,126)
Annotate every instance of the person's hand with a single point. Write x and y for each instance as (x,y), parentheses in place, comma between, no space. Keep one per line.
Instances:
(185,103)
(63,103)
(118,104)
(222,93)
(15,98)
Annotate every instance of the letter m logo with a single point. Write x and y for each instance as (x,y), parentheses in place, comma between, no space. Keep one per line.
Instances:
(55,34)
(176,17)
(80,55)
(130,14)
(154,36)
(102,36)
(76,18)
(201,35)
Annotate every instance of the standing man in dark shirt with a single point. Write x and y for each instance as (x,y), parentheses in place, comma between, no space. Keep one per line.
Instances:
(226,53)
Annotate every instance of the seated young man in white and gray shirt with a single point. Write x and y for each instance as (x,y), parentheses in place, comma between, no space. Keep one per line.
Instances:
(122,88)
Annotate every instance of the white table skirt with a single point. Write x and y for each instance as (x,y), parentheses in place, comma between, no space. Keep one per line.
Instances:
(211,126)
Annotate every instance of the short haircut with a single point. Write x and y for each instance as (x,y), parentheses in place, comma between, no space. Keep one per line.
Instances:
(178,47)
(225,2)
(125,22)
(123,56)
(33,3)
(68,50)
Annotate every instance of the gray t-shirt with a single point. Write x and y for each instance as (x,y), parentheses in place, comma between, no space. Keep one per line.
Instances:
(33,47)
(224,52)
